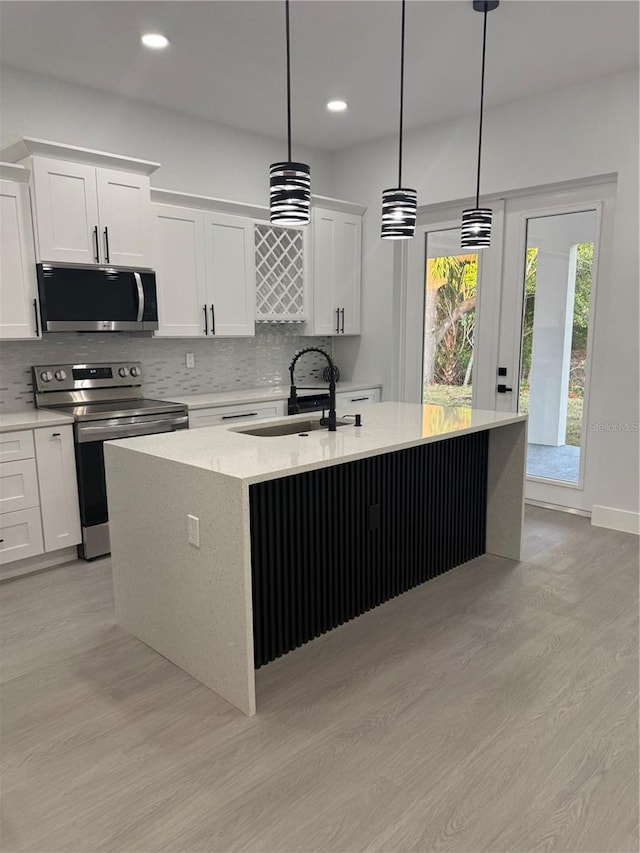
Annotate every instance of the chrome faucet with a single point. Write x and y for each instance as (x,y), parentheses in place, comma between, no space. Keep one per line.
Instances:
(329,421)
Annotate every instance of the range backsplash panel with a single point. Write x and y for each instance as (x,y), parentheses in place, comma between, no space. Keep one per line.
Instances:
(221,364)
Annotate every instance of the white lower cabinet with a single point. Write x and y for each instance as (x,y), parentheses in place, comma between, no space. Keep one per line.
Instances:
(58,487)
(38,493)
(20,535)
(357,398)
(230,414)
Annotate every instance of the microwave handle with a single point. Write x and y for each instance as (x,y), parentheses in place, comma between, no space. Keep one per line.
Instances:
(138,279)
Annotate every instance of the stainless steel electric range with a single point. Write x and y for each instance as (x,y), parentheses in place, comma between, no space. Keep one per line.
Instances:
(106,402)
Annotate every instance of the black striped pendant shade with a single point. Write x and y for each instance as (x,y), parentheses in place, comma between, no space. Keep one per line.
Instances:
(290,193)
(398,214)
(476,228)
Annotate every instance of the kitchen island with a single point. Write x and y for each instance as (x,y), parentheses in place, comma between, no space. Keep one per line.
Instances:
(230,549)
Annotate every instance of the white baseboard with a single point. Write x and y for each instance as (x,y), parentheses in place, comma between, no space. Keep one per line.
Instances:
(616,519)
(28,566)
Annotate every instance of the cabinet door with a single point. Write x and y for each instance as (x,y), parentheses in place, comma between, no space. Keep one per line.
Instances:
(18,286)
(234,414)
(325,311)
(58,487)
(230,274)
(347,272)
(124,207)
(357,398)
(66,211)
(20,535)
(16,445)
(180,271)
(18,485)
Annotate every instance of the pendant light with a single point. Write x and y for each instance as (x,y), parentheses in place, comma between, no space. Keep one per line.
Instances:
(399,204)
(289,182)
(476,222)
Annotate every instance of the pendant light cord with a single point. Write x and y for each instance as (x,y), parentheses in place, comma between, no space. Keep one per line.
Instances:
(484,51)
(289,84)
(401,97)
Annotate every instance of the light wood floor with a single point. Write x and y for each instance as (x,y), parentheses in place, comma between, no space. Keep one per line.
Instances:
(493,709)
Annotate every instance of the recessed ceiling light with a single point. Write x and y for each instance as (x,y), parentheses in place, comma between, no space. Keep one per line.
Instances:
(155,40)
(337,106)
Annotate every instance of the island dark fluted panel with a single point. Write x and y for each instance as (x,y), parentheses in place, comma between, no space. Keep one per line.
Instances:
(328,545)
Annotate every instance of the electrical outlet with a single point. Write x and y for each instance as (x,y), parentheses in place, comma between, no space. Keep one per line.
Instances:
(193,530)
(190,359)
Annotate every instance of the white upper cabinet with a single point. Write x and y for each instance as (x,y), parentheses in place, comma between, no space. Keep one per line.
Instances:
(90,207)
(18,285)
(66,210)
(87,215)
(124,209)
(205,273)
(337,249)
(180,271)
(230,274)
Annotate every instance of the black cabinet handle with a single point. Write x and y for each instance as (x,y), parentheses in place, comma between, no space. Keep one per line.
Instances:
(342,312)
(106,245)
(35,311)
(358,399)
(337,321)
(243,415)
(96,248)
(55,435)
(206,325)
(213,320)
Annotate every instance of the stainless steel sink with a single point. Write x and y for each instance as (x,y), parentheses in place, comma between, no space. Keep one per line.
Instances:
(287,428)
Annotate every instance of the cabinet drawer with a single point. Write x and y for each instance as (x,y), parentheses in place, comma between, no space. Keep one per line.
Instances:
(20,535)
(16,445)
(358,398)
(232,414)
(18,485)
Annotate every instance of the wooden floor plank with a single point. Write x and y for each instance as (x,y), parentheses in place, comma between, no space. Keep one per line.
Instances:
(492,709)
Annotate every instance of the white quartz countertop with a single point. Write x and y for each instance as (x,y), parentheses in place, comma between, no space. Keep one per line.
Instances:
(386,427)
(258,395)
(32,420)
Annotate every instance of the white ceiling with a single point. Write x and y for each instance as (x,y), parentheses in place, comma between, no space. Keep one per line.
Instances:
(226,59)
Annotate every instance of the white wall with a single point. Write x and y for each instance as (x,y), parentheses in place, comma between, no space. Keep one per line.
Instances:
(197,156)
(573,133)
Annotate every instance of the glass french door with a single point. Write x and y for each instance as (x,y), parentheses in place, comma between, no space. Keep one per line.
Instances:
(553,247)
(510,328)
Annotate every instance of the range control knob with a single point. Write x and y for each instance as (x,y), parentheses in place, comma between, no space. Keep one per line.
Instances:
(60,375)
(46,376)
(135,371)
(123,371)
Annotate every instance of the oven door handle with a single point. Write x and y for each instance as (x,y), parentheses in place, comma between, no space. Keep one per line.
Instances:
(138,279)
(111,431)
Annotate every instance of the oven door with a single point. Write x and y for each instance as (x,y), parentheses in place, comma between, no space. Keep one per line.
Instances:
(92,488)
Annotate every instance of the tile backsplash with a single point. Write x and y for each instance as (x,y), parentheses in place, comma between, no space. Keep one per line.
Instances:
(220,364)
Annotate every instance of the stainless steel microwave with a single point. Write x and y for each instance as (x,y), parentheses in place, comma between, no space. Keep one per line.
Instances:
(77,298)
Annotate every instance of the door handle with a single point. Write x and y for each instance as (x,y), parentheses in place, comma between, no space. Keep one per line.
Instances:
(502,389)
(213,320)
(337,321)
(342,328)
(206,325)
(35,311)
(106,245)
(96,248)
(140,289)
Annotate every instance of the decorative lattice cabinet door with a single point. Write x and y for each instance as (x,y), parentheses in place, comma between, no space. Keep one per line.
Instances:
(280,291)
